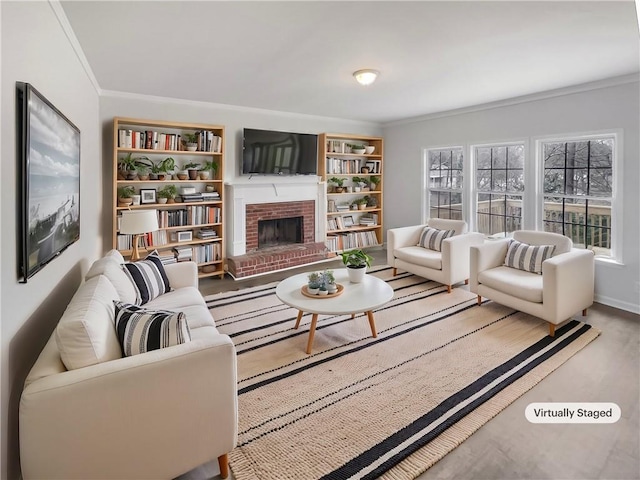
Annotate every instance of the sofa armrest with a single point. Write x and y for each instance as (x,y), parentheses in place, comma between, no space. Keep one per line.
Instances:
(455,255)
(568,283)
(153,415)
(182,274)
(484,257)
(402,237)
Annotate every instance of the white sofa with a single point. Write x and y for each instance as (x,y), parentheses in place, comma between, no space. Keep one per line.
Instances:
(565,287)
(154,415)
(449,266)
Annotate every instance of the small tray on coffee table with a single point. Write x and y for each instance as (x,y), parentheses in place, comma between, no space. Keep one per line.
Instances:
(305,292)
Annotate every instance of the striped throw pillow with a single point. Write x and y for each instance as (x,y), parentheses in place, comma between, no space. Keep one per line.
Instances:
(148,277)
(140,330)
(432,238)
(527,257)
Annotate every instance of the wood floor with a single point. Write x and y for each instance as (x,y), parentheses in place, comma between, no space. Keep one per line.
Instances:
(509,447)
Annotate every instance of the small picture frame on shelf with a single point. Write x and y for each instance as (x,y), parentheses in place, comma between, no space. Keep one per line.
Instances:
(371,166)
(347,221)
(184,236)
(147,195)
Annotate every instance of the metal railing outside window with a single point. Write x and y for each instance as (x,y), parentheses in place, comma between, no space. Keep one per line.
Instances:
(444,183)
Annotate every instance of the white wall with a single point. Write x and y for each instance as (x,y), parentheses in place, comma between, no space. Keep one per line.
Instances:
(608,108)
(36,50)
(234,120)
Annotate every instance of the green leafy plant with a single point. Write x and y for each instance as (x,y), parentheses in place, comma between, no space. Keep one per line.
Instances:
(126,192)
(356,146)
(361,181)
(210,166)
(356,259)
(339,182)
(375,181)
(191,137)
(129,162)
(371,201)
(168,164)
(191,166)
(328,277)
(315,280)
(168,191)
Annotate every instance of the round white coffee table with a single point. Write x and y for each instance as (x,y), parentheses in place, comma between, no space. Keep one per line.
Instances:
(365,296)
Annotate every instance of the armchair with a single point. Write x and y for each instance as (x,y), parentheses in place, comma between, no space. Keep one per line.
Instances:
(448,266)
(565,286)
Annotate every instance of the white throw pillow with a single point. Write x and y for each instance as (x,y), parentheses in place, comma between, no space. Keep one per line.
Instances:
(114,271)
(86,334)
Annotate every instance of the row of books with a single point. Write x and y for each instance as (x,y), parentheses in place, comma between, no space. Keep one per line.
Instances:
(208,141)
(192,215)
(200,197)
(341,165)
(156,239)
(199,253)
(340,223)
(347,241)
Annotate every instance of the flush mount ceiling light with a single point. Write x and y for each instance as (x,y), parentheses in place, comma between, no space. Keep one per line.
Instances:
(366,76)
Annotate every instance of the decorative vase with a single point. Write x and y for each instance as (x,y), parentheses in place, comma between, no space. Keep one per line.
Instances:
(193,174)
(323,292)
(332,288)
(312,290)
(162,200)
(204,175)
(356,274)
(183,176)
(192,147)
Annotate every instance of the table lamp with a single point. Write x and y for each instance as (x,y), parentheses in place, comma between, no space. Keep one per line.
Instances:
(137,223)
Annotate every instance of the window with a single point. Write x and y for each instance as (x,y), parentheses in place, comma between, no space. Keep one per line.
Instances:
(444,183)
(578,190)
(499,188)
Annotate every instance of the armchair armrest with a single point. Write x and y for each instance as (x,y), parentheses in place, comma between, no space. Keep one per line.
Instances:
(455,255)
(402,237)
(568,284)
(484,257)
(182,274)
(178,403)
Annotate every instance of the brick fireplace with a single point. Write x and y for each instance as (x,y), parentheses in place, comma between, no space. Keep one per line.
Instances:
(258,204)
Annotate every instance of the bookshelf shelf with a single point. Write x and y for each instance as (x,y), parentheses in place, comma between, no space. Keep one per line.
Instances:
(128,135)
(344,229)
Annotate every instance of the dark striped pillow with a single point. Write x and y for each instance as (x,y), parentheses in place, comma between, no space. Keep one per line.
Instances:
(140,330)
(527,257)
(148,277)
(432,238)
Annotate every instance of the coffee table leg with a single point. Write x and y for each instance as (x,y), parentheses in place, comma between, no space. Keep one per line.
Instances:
(372,324)
(300,313)
(312,331)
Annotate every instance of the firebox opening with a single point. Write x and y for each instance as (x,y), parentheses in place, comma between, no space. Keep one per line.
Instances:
(279,231)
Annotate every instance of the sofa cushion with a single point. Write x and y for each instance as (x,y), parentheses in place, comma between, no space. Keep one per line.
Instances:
(420,256)
(518,283)
(85,334)
(527,257)
(148,277)
(113,270)
(141,330)
(432,238)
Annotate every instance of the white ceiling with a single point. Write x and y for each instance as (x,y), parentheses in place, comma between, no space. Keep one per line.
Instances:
(299,56)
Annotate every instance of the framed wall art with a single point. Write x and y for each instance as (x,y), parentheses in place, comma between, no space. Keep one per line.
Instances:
(48,168)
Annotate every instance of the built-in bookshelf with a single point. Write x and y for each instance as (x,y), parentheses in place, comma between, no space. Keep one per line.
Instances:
(349,224)
(191,225)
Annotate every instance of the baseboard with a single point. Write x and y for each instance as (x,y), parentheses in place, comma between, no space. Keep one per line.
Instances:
(612,302)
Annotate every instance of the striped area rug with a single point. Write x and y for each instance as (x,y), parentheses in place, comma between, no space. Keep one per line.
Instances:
(388,407)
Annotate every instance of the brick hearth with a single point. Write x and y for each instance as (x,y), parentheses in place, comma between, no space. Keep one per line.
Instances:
(276,258)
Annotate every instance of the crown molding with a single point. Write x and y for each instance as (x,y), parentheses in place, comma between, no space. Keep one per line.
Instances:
(558,92)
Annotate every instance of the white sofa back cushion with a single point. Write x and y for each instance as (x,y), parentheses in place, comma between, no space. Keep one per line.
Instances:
(86,332)
(110,267)
(459,226)
(563,244)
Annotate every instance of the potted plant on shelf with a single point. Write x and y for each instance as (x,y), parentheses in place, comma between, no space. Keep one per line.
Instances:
(169,192)
(338,182)
(143,172)
(128,165)
(191,141)
(192,170)
(125,195)
(168,165)
(361,203)
(209,169)
(356,262)
(374,182)
(182,174)
(371,201)
(357,149)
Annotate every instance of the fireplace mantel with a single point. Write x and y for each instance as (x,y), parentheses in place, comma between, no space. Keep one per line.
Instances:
(258,190)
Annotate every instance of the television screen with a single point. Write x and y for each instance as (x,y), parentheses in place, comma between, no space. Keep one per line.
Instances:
(49,168)
(268,152)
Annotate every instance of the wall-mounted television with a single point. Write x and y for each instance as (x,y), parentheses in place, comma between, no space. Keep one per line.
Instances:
(268,152)
(48,168)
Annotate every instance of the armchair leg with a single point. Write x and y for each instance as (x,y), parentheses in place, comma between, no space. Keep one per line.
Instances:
(395,271)
(552,329)
(448,288)
(466,282)
(223,462)
(479,300)
(584,312)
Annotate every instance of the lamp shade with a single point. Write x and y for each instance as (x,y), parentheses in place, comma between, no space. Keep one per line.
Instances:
(138,221)
(366,76)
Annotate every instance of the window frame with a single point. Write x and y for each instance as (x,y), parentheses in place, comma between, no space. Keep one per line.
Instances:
(616,191)
(427,189)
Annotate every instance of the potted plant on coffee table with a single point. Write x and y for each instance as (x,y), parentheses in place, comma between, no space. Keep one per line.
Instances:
(356,262)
